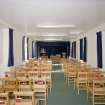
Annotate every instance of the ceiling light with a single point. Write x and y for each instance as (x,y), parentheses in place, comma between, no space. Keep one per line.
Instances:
(56,26)
(75,32)
(53,39)
(53,35)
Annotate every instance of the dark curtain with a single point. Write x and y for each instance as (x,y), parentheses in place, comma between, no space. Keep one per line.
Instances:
(99,50)
(85,49)
(75,49)
(72,50)
(27,48)
(10,55)
(23,48)
(32,49)
(81,49)
(53,48)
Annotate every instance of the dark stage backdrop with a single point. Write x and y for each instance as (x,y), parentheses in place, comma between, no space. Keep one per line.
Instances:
(53,48)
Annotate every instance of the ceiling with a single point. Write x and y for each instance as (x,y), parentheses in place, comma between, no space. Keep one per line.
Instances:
(26,15)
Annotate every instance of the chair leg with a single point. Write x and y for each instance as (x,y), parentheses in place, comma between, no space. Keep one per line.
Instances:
(45,98)
(87,94)
(93,98)
(78,88)
(78,91)
(74,84)
(68,81)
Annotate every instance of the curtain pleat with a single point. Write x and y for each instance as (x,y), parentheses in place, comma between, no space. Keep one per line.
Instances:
(75,49)
(32,49)
(85,49)
(23,48)
(81,49)
(99,50)
(72,49)
(27,48)
(11,55)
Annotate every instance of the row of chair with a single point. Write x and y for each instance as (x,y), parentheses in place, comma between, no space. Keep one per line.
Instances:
(85,77)
(26,81)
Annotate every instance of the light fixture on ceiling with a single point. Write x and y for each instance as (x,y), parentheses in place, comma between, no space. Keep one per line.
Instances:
(56,26)
(51,34)
(31,34)
(53,39)
(75,32)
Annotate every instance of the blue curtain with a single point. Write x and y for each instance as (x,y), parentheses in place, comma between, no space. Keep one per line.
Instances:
(72,49)
(23,48)
(53,48)
(27,48)
(75,49)
(10,55)
(99,50)
(81,49)
(85,49)
(32,49)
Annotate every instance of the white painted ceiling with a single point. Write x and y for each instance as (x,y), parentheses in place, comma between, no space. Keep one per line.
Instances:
(25,15)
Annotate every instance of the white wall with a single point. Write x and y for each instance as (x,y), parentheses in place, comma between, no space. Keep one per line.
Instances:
(17,44)
(1,46)
(92,48)
(30,48)
(92,45)
(5,42)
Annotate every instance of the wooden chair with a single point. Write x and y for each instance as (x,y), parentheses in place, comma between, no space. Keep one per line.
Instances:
(4,99)
(47,75)
(40,88)
(24,98)
(81,81)
(98,93)
(92,75)
(72,74)
(65,68)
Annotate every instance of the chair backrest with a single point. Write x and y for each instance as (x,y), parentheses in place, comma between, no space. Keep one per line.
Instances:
(1,85)
(24,84)
(4,99)
(10,73)
(99,85)
(82,75)
(21,74)
(9,84)
(33,74)
(46,74)
(24,98)
(39,83)
(93,75)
